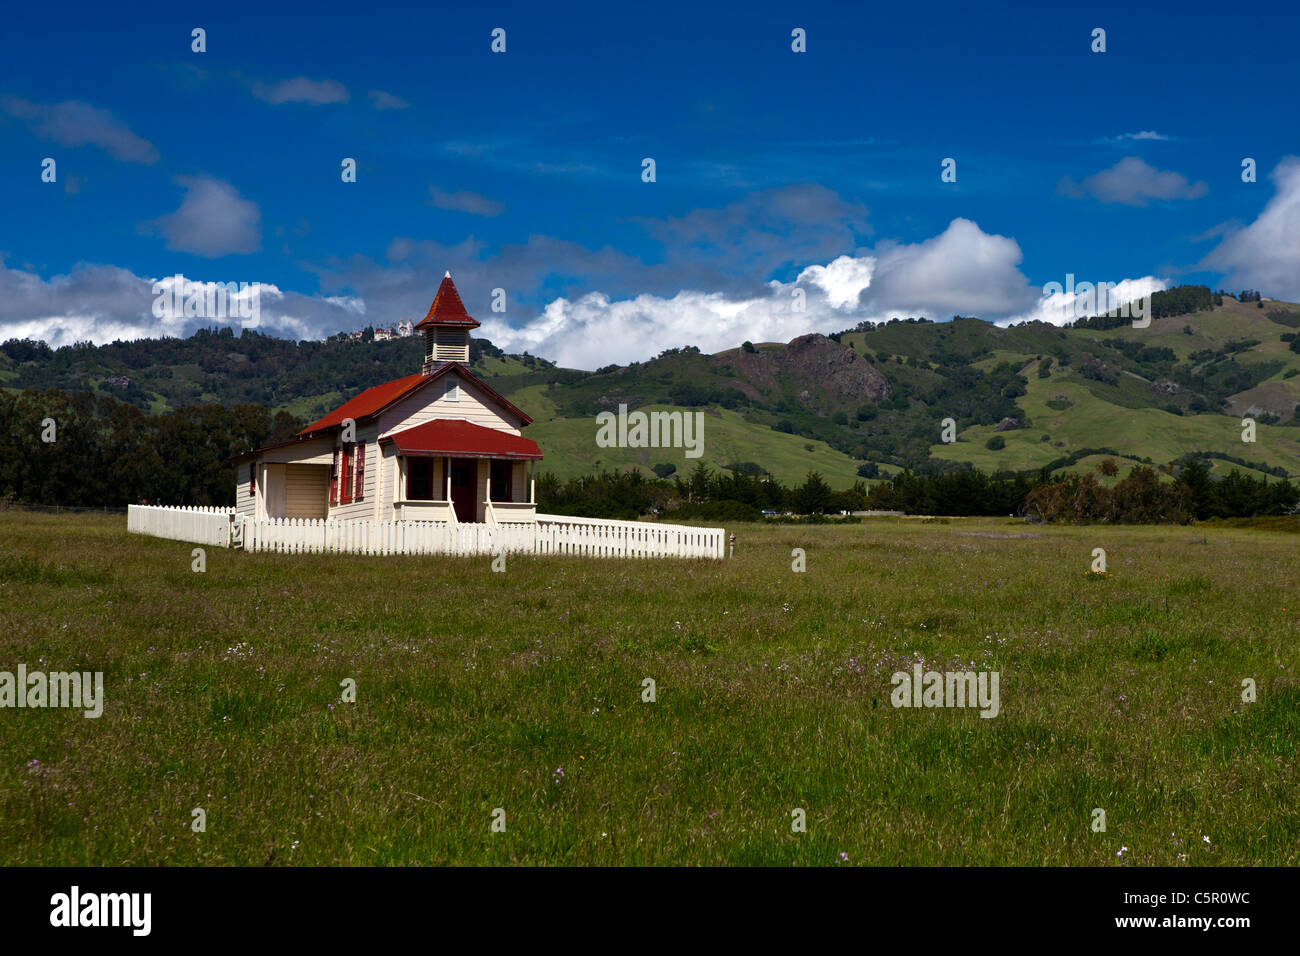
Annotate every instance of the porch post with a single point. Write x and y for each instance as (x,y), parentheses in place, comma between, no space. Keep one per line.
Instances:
(480,466)
(532,483)
(446,473)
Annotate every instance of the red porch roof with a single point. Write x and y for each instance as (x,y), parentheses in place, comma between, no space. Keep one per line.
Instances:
(447,308)
(460,439)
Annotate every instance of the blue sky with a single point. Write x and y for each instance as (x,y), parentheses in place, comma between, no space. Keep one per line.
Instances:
(522,170)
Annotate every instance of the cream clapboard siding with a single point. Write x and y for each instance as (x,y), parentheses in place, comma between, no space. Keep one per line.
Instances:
(481,492)
(388,478)
(432,402)
(518,481)
(245,504)
(271,486)
(318,451)
(370,486)
(440,479)
(306,491)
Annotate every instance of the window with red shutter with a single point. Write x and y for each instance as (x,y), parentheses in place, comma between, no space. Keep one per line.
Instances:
(360,494)
(346,477)
(334,479)
(252,476)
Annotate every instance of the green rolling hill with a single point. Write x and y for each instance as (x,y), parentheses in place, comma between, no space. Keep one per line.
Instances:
(1022,398)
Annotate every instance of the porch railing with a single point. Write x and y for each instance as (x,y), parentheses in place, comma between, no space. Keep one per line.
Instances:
(506,512)
(425,510)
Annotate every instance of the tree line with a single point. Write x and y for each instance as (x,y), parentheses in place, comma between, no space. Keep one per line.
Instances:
(1173,494)
(85,450)
(704,494)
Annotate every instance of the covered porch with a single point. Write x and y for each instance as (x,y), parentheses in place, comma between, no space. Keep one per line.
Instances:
(463,473)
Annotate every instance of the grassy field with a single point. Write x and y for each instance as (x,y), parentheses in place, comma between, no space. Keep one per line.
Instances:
(522,691)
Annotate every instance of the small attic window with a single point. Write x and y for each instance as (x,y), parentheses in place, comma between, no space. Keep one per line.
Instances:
(452,392)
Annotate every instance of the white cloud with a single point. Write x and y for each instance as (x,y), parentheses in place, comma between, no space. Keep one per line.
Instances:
(213,220)
(842,279)
(1146,134)
(594,330)
(962,269)
(1265,255)
(74,123)
(101,304)
(301,89)
(1074,302)
(463,200)
(1132,182)
(381,100)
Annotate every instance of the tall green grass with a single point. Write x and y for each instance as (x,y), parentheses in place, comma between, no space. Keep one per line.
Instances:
(523,691)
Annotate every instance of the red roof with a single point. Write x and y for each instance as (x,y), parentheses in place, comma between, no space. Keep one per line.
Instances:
(374,400)
(368,402)
(460,439)
(447,309)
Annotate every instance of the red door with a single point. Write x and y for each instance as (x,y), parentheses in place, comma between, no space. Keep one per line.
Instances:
(463,474)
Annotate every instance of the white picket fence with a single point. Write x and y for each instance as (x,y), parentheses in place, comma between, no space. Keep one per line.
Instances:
(210,526)
(550,534)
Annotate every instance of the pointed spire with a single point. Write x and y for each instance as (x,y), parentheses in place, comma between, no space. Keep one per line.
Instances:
(447,308)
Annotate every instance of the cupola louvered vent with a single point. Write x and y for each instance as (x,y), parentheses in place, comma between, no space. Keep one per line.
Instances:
(446,328)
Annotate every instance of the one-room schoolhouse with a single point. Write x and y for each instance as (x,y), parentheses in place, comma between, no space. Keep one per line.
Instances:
(438,445)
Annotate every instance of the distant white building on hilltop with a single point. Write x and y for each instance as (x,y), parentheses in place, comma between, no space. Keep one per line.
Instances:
(404,329)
